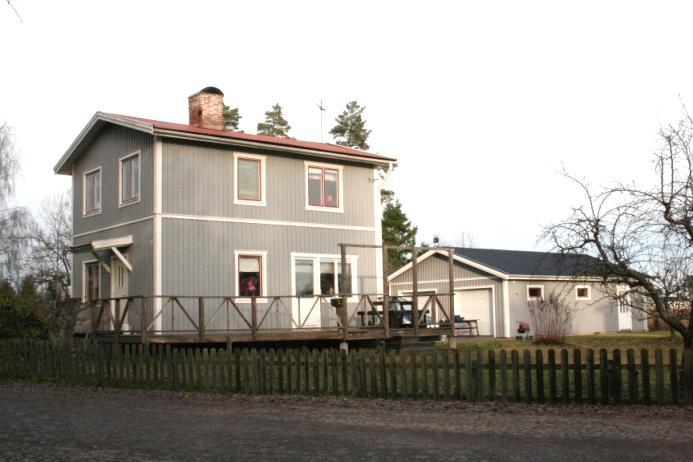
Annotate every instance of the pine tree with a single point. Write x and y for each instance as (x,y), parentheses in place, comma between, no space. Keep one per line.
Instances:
(231,118)
(275,124)
(351,129)
(397,230)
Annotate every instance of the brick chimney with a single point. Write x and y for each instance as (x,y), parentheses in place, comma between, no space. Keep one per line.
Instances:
(206,109)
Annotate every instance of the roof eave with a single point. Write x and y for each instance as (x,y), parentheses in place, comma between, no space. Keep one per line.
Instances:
(167,133)
(61,168)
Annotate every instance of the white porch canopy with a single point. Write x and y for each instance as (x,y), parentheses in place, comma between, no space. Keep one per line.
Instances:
(113,244)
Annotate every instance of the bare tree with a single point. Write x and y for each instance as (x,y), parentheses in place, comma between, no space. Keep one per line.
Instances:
(51,263)
(642,234)
(552,318)
(14,222)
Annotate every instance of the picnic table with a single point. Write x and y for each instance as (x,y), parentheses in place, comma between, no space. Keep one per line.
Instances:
(468,325)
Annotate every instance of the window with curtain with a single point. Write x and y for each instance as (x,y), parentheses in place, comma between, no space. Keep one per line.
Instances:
(250,275)
(323,187)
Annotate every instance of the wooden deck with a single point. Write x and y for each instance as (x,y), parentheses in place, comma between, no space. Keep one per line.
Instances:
(275,336)
(227,320)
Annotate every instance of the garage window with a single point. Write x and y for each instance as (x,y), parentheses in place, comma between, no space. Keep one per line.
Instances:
(535,293)
(583,293)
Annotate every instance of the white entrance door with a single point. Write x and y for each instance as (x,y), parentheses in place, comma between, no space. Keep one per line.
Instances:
(625,316)
(305,306)
(476,304)
(119,287)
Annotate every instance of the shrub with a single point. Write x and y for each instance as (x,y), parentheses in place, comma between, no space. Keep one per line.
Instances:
(552,319)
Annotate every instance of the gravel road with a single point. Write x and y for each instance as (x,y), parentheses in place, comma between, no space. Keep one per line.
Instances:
(46,422)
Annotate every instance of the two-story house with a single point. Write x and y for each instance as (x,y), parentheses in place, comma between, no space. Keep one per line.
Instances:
(164,209)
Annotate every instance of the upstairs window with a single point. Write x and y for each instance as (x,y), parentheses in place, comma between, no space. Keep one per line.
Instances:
(92,192)
(323,188)
(130,179)
(250,179)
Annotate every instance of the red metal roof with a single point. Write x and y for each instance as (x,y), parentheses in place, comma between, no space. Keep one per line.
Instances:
(323,147)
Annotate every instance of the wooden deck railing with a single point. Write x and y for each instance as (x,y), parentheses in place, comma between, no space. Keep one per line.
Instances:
(559,376)
(203,317)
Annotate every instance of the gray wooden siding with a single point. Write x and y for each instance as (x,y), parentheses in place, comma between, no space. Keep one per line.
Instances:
(107,148)
(432,273)
(198,259)
(140,255)
(596,315)
(199,180)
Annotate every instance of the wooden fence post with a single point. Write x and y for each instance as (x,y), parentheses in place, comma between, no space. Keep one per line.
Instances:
(386,293)
(645,366)
(632,377)
(674,376)
(541,398)
(577,375)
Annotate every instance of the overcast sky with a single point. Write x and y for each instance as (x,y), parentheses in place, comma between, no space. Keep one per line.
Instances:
(481,102)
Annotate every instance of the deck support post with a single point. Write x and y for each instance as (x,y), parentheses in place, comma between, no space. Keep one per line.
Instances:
(94,327)
(116,321)
(344,346)
(143,319)
(414,292)
(201,317)
(253,313)
(344,296)
(386,295)
(451,290)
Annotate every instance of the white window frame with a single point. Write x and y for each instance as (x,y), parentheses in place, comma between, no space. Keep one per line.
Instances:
(589,292)
(263,273)
(91,213)
(84,277)
(534,299)
(340,186)
(263,179)
(137,153)
(317,258)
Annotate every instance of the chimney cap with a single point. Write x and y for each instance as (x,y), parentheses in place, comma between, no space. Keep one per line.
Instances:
(212,90)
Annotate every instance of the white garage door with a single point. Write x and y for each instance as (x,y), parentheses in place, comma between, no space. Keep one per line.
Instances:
(476,304)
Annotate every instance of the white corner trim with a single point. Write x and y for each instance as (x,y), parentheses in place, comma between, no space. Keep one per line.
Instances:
(506,308)
(340,186)
(157,231)
(378,225)
(138,154)
(263,179)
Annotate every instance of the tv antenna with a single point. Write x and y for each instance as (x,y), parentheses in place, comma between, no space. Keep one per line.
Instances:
(322,111)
